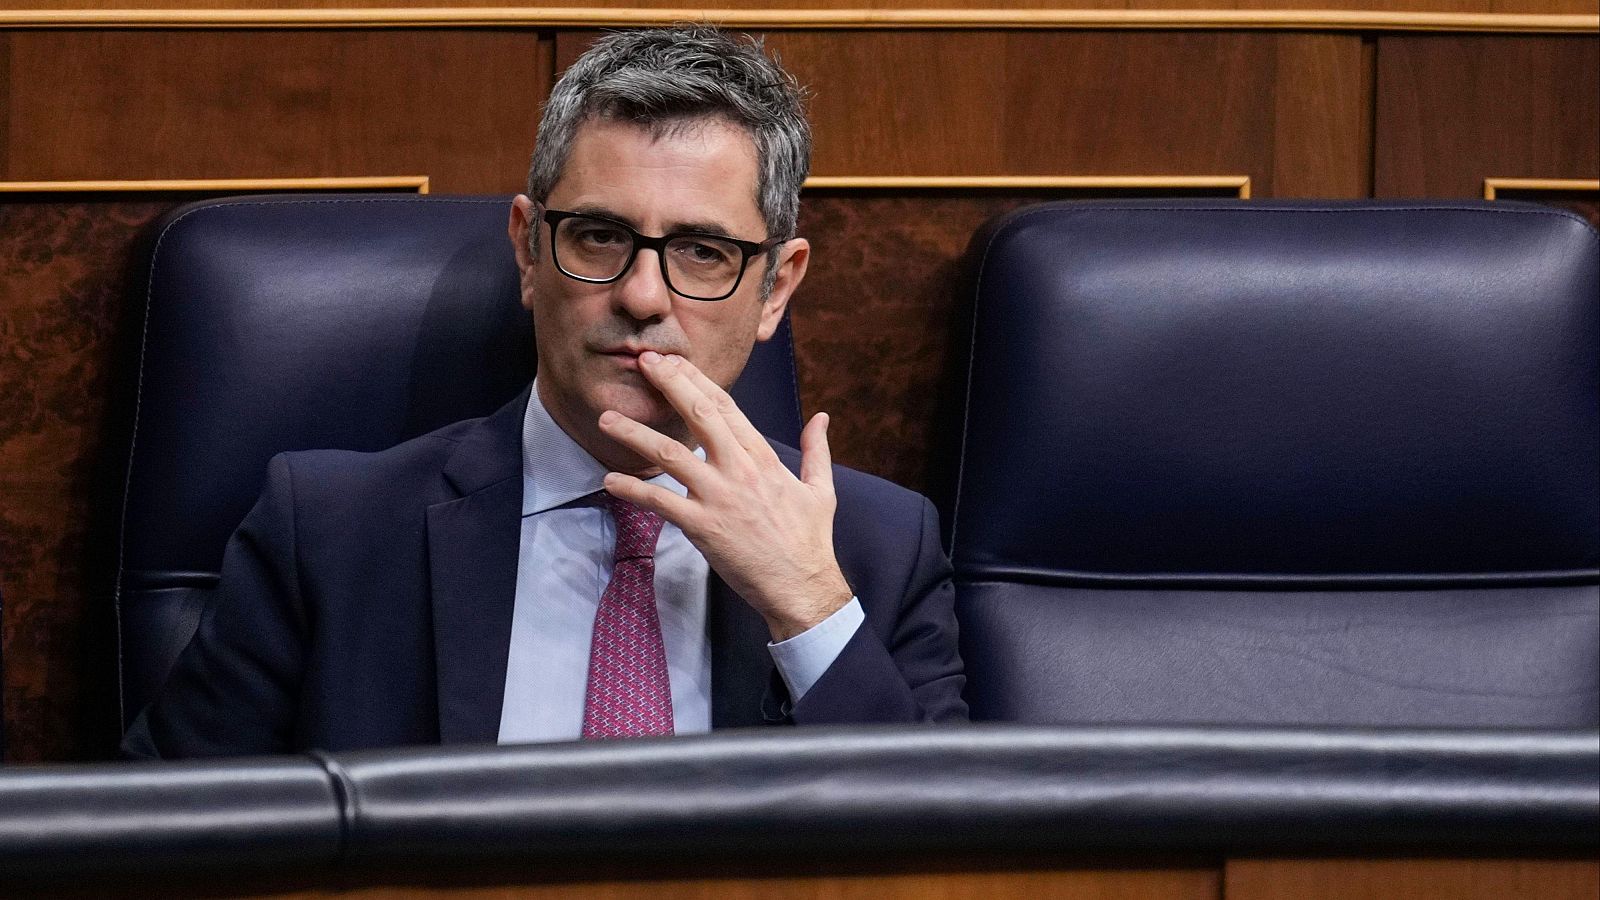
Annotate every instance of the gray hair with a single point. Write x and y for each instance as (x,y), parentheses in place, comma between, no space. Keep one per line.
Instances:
(666,78)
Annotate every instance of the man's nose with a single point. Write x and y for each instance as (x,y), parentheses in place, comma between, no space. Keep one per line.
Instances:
(642,293)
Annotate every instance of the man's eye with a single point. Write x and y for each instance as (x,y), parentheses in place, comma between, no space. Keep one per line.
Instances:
(601,237)
(704,253)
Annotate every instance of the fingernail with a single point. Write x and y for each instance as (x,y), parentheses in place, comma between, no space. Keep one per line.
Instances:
(674,358)
(609,416)
(609,479)
(650,356)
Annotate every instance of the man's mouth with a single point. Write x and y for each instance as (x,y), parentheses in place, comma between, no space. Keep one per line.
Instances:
(626,357)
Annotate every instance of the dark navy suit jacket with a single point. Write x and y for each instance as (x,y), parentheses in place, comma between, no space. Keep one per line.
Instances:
(366,601)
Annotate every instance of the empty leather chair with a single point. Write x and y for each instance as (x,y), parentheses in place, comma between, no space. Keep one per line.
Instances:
(1283,463)
(296,322)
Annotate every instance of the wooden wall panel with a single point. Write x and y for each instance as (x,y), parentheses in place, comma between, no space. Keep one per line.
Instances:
(1322,117)
(458,106)
(1477,6)
(880,323)
(62,269)
(5,99)
(1411,879)
(1124,883)
(1276,107)
(1454,110)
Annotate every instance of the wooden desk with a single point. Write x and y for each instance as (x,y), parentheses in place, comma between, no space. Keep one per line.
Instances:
(1233,879)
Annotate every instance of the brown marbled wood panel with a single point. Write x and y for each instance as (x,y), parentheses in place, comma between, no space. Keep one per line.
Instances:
(1276,107)
(62,266)
(878,319)
(1454,110)
(882,319)
(459,106)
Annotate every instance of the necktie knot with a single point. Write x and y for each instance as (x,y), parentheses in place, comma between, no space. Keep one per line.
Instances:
(638,529)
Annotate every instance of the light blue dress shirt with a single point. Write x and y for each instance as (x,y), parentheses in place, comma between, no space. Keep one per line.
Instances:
(562,569)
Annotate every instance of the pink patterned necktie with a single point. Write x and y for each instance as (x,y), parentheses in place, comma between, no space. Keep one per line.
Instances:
(628,693)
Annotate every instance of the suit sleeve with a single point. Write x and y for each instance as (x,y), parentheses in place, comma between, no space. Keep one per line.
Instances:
(234,688)
(912,674)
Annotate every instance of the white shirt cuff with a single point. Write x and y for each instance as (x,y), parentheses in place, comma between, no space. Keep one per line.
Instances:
(802,659)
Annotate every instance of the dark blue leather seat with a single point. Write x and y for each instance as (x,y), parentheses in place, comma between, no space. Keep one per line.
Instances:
(1283,463)
(296,322)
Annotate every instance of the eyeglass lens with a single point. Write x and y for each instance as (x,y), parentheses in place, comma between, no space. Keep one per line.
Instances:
(697,266)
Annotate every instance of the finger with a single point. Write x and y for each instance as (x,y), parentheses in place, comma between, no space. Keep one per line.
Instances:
(816,460)
(654,447)
(678,510)
(738,423)
(697,410)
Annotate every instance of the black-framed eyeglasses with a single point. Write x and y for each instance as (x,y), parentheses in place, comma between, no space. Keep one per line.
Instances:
(694,264)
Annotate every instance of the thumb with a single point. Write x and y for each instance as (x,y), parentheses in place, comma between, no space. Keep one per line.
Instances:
(816,460)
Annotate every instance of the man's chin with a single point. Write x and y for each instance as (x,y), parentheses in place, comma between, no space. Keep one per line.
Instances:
(644,405)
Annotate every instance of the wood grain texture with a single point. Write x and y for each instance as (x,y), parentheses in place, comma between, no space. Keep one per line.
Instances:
(1411,879)
(880,321)
(1274,107)
(1480,6)
(856,19)
(1322,123)
(1452,111)
(1063,884)
(458,106)
(62,269)
(5,99)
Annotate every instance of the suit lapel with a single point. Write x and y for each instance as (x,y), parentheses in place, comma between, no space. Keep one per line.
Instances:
(473,547)
(473,544)
(745,687)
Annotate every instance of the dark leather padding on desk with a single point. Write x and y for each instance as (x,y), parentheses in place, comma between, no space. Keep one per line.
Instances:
(815,794)
(220,814)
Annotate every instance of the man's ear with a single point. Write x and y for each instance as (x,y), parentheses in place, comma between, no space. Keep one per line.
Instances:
(793,259)
(518,228)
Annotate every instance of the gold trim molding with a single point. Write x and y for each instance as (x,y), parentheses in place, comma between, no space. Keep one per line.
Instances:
(1492,186)
(417,183)
(773,19)
(1239,184)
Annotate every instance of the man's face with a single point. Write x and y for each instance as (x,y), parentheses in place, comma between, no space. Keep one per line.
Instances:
(698,178)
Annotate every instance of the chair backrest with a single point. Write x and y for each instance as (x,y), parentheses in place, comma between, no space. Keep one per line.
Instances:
(1294,463)
(298,322)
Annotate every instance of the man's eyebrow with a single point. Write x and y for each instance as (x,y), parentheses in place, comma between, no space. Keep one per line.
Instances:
(594,209)
(703,227)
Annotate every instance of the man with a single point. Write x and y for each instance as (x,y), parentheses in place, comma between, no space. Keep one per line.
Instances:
(671,570)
